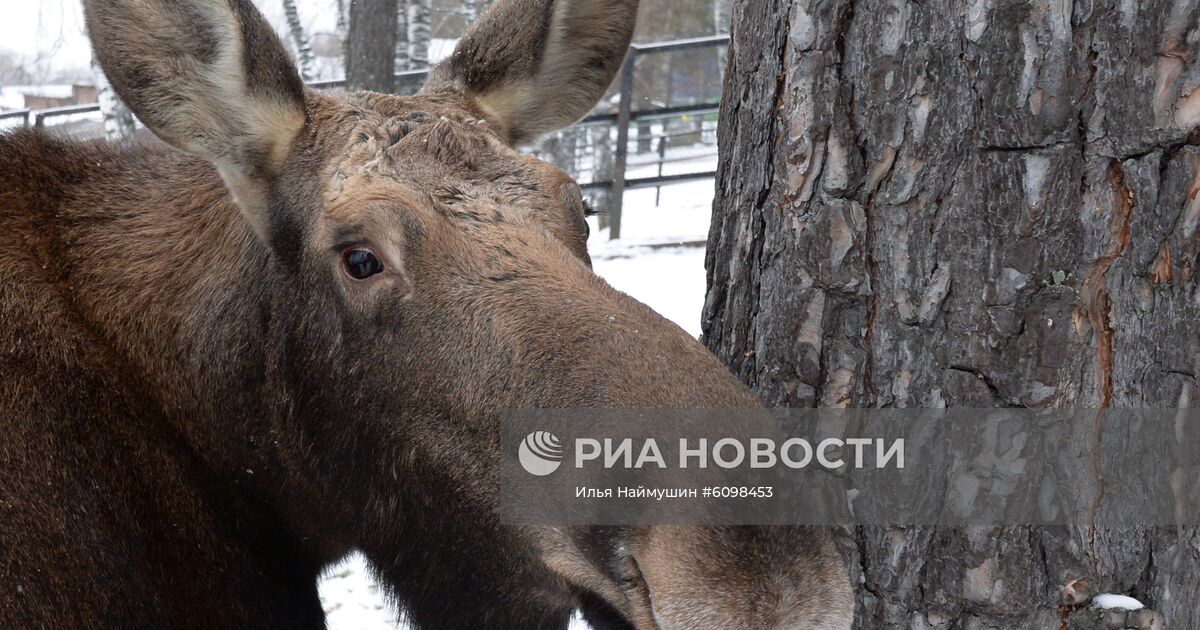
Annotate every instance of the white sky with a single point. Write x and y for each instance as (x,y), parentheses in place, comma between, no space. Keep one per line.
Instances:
(48,33)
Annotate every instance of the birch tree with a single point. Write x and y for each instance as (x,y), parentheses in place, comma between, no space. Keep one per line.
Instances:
(721,15)
(119,123)
(305,59)
(470,10)
(342,26)
(403,60)
(420,31)
(304,53)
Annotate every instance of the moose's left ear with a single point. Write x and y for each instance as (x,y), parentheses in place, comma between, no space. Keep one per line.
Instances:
(209,77)
(535,66)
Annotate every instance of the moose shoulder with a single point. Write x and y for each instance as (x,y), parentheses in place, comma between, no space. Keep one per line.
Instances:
(226,363)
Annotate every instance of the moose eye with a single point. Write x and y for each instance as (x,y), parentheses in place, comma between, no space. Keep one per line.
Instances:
(361,263)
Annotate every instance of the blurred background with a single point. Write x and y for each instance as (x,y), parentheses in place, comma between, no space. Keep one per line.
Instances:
(645,157)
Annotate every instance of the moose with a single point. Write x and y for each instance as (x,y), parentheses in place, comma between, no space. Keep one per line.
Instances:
(286,327)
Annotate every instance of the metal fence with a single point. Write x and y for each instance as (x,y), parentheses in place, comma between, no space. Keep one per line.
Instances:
(626,114)
(616,123)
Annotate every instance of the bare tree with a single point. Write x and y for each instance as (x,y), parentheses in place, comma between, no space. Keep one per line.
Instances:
(906,219)
(12,71)
(721,15)
(343,26)
(403,60)
(470,10)
(119,123)
(420,31)
(304,53)
(370,56)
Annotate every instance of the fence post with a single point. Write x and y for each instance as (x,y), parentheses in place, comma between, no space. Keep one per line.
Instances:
(624,114)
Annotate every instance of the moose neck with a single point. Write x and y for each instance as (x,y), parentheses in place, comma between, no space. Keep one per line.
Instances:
(163,268)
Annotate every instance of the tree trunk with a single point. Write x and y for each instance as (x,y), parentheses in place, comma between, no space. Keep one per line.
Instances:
(304,53)
(403,61)
(721,15)
(370,62)
(984,203)
(119,123)
(342,28)
(420,31)
(562,150)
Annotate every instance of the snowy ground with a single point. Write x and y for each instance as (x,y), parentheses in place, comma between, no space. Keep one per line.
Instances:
(668,279)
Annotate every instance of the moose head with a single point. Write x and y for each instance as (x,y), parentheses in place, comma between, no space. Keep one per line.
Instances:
(400,275)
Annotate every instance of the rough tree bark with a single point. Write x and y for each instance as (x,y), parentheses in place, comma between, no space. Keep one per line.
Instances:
(370,62)
(983,203)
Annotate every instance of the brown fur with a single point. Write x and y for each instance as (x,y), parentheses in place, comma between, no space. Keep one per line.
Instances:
(201,410)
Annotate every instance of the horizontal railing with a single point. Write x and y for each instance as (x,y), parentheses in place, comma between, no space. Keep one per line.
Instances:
(40,116)
(401,78)
(23,114)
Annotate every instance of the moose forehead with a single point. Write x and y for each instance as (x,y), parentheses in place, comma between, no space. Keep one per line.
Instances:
(436,150)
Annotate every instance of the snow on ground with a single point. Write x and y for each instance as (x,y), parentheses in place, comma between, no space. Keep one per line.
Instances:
(682,216)
(352,600)
(669,279)
(1109,601)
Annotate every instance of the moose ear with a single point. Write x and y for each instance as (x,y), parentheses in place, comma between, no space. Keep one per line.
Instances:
(209,77)
(535,66)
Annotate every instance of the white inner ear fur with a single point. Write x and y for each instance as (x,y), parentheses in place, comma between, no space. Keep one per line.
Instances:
(507,103)
(231,124)
(250,196)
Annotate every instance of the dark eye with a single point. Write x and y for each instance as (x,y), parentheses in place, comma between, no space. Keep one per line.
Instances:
(361,263)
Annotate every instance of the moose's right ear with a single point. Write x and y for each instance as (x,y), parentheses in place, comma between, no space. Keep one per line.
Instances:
(209,77)
(535,66)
